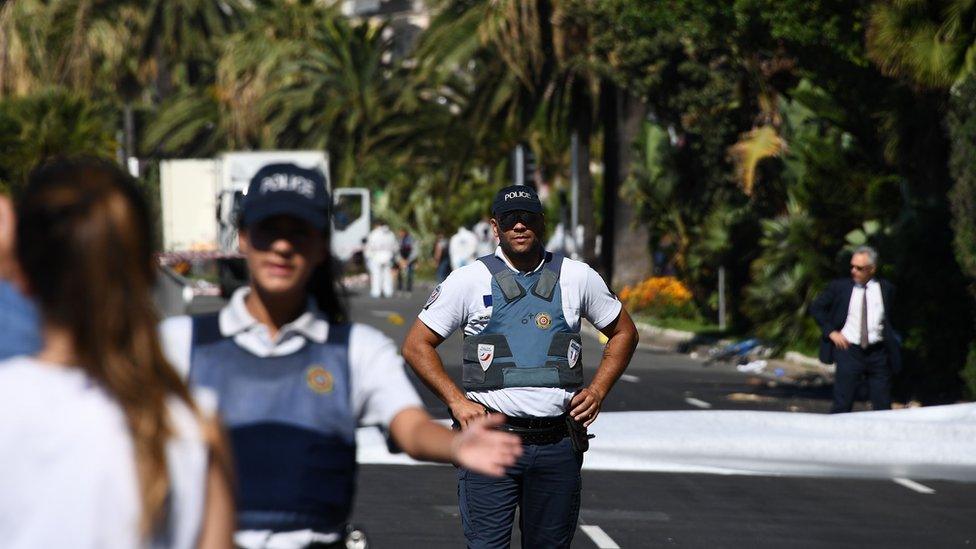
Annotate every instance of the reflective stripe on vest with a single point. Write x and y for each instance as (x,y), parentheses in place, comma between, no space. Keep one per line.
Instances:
(527,342)
(291,427)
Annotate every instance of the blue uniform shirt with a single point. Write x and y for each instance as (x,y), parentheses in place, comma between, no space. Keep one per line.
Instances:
(20,326)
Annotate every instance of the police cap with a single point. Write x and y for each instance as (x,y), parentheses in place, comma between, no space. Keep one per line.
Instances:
(516,197)
(286,189)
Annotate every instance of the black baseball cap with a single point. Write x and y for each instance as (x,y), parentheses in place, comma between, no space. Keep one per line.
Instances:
(286,189)
(516,197)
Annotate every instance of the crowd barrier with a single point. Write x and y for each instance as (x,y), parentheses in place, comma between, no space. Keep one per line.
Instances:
(937,442)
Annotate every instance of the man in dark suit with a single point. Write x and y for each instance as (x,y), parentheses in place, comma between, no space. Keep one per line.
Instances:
(854,315)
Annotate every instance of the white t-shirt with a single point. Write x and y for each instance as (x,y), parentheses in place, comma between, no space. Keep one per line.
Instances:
(460,302)
(67,468)
(379,385)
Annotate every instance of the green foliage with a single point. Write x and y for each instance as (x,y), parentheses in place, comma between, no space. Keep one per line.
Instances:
(969,372)
(49,123)
(961,120)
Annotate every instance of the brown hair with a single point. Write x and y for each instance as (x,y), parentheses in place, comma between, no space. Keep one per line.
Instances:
(84,243)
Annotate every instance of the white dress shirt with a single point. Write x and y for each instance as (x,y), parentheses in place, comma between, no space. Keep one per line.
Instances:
(876,312)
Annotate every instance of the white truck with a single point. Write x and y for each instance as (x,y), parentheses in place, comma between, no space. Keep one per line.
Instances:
(201,199)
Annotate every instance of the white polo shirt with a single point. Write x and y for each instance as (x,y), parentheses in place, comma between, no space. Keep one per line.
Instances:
(379,387)
(463,300)
(378,382)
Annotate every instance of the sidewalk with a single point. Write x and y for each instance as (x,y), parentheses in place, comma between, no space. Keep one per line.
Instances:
(791,369)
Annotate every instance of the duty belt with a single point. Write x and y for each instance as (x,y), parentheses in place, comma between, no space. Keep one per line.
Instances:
(537,430)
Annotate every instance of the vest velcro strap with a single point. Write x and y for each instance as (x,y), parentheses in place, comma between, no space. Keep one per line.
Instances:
(504,277)
(561,342)
(509,286)
(568,378)
(546,285)
(546,376)
(502,350)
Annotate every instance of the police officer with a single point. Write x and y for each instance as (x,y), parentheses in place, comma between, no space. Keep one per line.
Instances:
(520,309)
(295,379)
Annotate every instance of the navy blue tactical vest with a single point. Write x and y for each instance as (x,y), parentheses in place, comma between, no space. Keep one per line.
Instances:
(527,342)
(291,426)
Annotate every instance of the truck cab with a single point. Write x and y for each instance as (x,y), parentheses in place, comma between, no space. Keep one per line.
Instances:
(219,186)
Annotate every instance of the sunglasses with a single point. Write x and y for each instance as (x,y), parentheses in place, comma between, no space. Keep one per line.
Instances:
(860,268)
(508,220)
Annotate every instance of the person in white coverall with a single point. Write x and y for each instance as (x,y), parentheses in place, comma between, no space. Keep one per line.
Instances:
(463,248)
(486,239)
(381,247)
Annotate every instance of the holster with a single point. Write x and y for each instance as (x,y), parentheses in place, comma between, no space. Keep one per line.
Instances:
(577,434)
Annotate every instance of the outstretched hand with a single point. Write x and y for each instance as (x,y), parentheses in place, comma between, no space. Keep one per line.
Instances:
(482,449)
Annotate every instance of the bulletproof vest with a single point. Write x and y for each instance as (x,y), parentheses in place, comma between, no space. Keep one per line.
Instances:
(527,342)
(291,427)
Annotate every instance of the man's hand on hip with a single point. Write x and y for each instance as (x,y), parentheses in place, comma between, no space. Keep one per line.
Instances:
(465,411)
(839,340)
(585,406)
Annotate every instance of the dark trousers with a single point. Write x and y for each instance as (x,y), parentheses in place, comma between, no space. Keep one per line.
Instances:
(544,483)
(405,279)
(856,365)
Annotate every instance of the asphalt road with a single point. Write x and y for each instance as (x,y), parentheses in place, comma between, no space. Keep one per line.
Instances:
(415,506)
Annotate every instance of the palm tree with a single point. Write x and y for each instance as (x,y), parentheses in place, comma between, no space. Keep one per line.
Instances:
(51,122)
(524,58)
(179,40)
(337,94)
(930,43)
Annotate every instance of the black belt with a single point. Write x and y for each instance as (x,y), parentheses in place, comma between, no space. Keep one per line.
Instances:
(536,430)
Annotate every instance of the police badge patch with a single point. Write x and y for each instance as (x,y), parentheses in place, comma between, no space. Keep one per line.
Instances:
(433,296)
(543,321)
(573,353)
(319,380)
(486,352)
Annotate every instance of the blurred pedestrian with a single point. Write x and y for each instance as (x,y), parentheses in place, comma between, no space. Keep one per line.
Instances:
(101,443)
(406,259)
(520,310)
(381,249)
(463,248)
(295,378)
(855,317)
(442,258)
(486,239)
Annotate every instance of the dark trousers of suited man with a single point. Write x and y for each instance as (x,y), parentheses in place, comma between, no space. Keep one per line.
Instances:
(853,315)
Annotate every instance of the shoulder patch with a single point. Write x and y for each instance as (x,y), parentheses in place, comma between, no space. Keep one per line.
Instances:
(433,297)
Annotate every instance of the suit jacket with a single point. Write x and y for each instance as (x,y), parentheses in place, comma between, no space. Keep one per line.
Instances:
(830,308)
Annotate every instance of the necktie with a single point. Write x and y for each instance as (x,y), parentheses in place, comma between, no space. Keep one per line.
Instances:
(864,318)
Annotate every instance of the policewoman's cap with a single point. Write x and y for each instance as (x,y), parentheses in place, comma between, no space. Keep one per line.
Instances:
(516,197)
(286,189)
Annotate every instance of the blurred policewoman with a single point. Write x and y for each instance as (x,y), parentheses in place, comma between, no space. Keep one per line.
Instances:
(295,378)
(101,444)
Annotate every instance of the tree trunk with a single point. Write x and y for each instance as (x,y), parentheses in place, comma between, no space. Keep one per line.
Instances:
(630,258)
(582,122)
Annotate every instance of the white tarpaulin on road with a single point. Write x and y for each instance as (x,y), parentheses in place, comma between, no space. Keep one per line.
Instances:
(937,442)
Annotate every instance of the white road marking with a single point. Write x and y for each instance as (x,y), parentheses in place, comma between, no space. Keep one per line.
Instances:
(382,313)
(698,403)
(912,485)
(599,537)
(629,378)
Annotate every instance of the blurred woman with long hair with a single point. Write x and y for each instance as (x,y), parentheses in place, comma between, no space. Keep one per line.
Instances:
(101,444)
